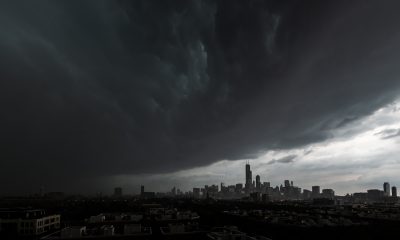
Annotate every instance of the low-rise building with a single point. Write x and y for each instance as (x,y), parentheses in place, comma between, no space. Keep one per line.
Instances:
(226,233)
(27,222)
(73,232)
(97,219)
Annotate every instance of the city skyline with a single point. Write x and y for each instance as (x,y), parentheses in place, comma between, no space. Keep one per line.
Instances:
(248,186)
(255,185)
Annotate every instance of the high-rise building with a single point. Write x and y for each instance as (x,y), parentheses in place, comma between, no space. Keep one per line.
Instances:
(287,183)
(328,193)
(315,191)
(141,190)
(394,191)
(306,194)
(258,183)
(249,178)
(386,189)
(223,188)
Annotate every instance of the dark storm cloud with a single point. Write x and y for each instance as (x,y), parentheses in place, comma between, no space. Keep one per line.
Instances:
(306,152)
(287,159)
(98,88)
(389,133)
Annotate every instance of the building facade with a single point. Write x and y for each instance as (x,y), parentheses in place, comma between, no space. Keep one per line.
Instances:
(249,181)
(386,189)
(27,222)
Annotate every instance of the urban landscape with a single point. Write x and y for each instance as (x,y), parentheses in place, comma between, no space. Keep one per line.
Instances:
(253,210)
(199,119)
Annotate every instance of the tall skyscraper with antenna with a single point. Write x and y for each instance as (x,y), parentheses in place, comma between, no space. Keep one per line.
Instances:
(249,179)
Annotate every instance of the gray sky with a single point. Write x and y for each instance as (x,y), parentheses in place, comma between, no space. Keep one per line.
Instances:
(99,93)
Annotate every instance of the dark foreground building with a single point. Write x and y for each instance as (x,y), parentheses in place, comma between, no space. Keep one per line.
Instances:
(27,222)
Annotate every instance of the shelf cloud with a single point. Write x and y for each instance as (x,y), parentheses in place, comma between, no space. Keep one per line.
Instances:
(95,89)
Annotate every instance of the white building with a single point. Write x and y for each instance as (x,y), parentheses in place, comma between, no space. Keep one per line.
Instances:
(27,222)
(97,219)
(73,232)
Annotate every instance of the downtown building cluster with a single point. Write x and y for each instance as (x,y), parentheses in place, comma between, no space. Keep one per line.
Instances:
(255,190)
(376,195)
(252,189)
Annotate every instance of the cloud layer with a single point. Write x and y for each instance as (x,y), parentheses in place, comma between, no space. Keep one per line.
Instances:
(94,89)
(355,159)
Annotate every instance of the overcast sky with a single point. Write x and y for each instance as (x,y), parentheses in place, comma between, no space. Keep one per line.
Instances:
(97,94)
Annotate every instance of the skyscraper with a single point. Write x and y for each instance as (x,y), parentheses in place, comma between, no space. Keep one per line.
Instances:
(328,193)
(248,178)
(287,183)
(394,191)
(306,194)
(258,183)
(386,189)
(315,191)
